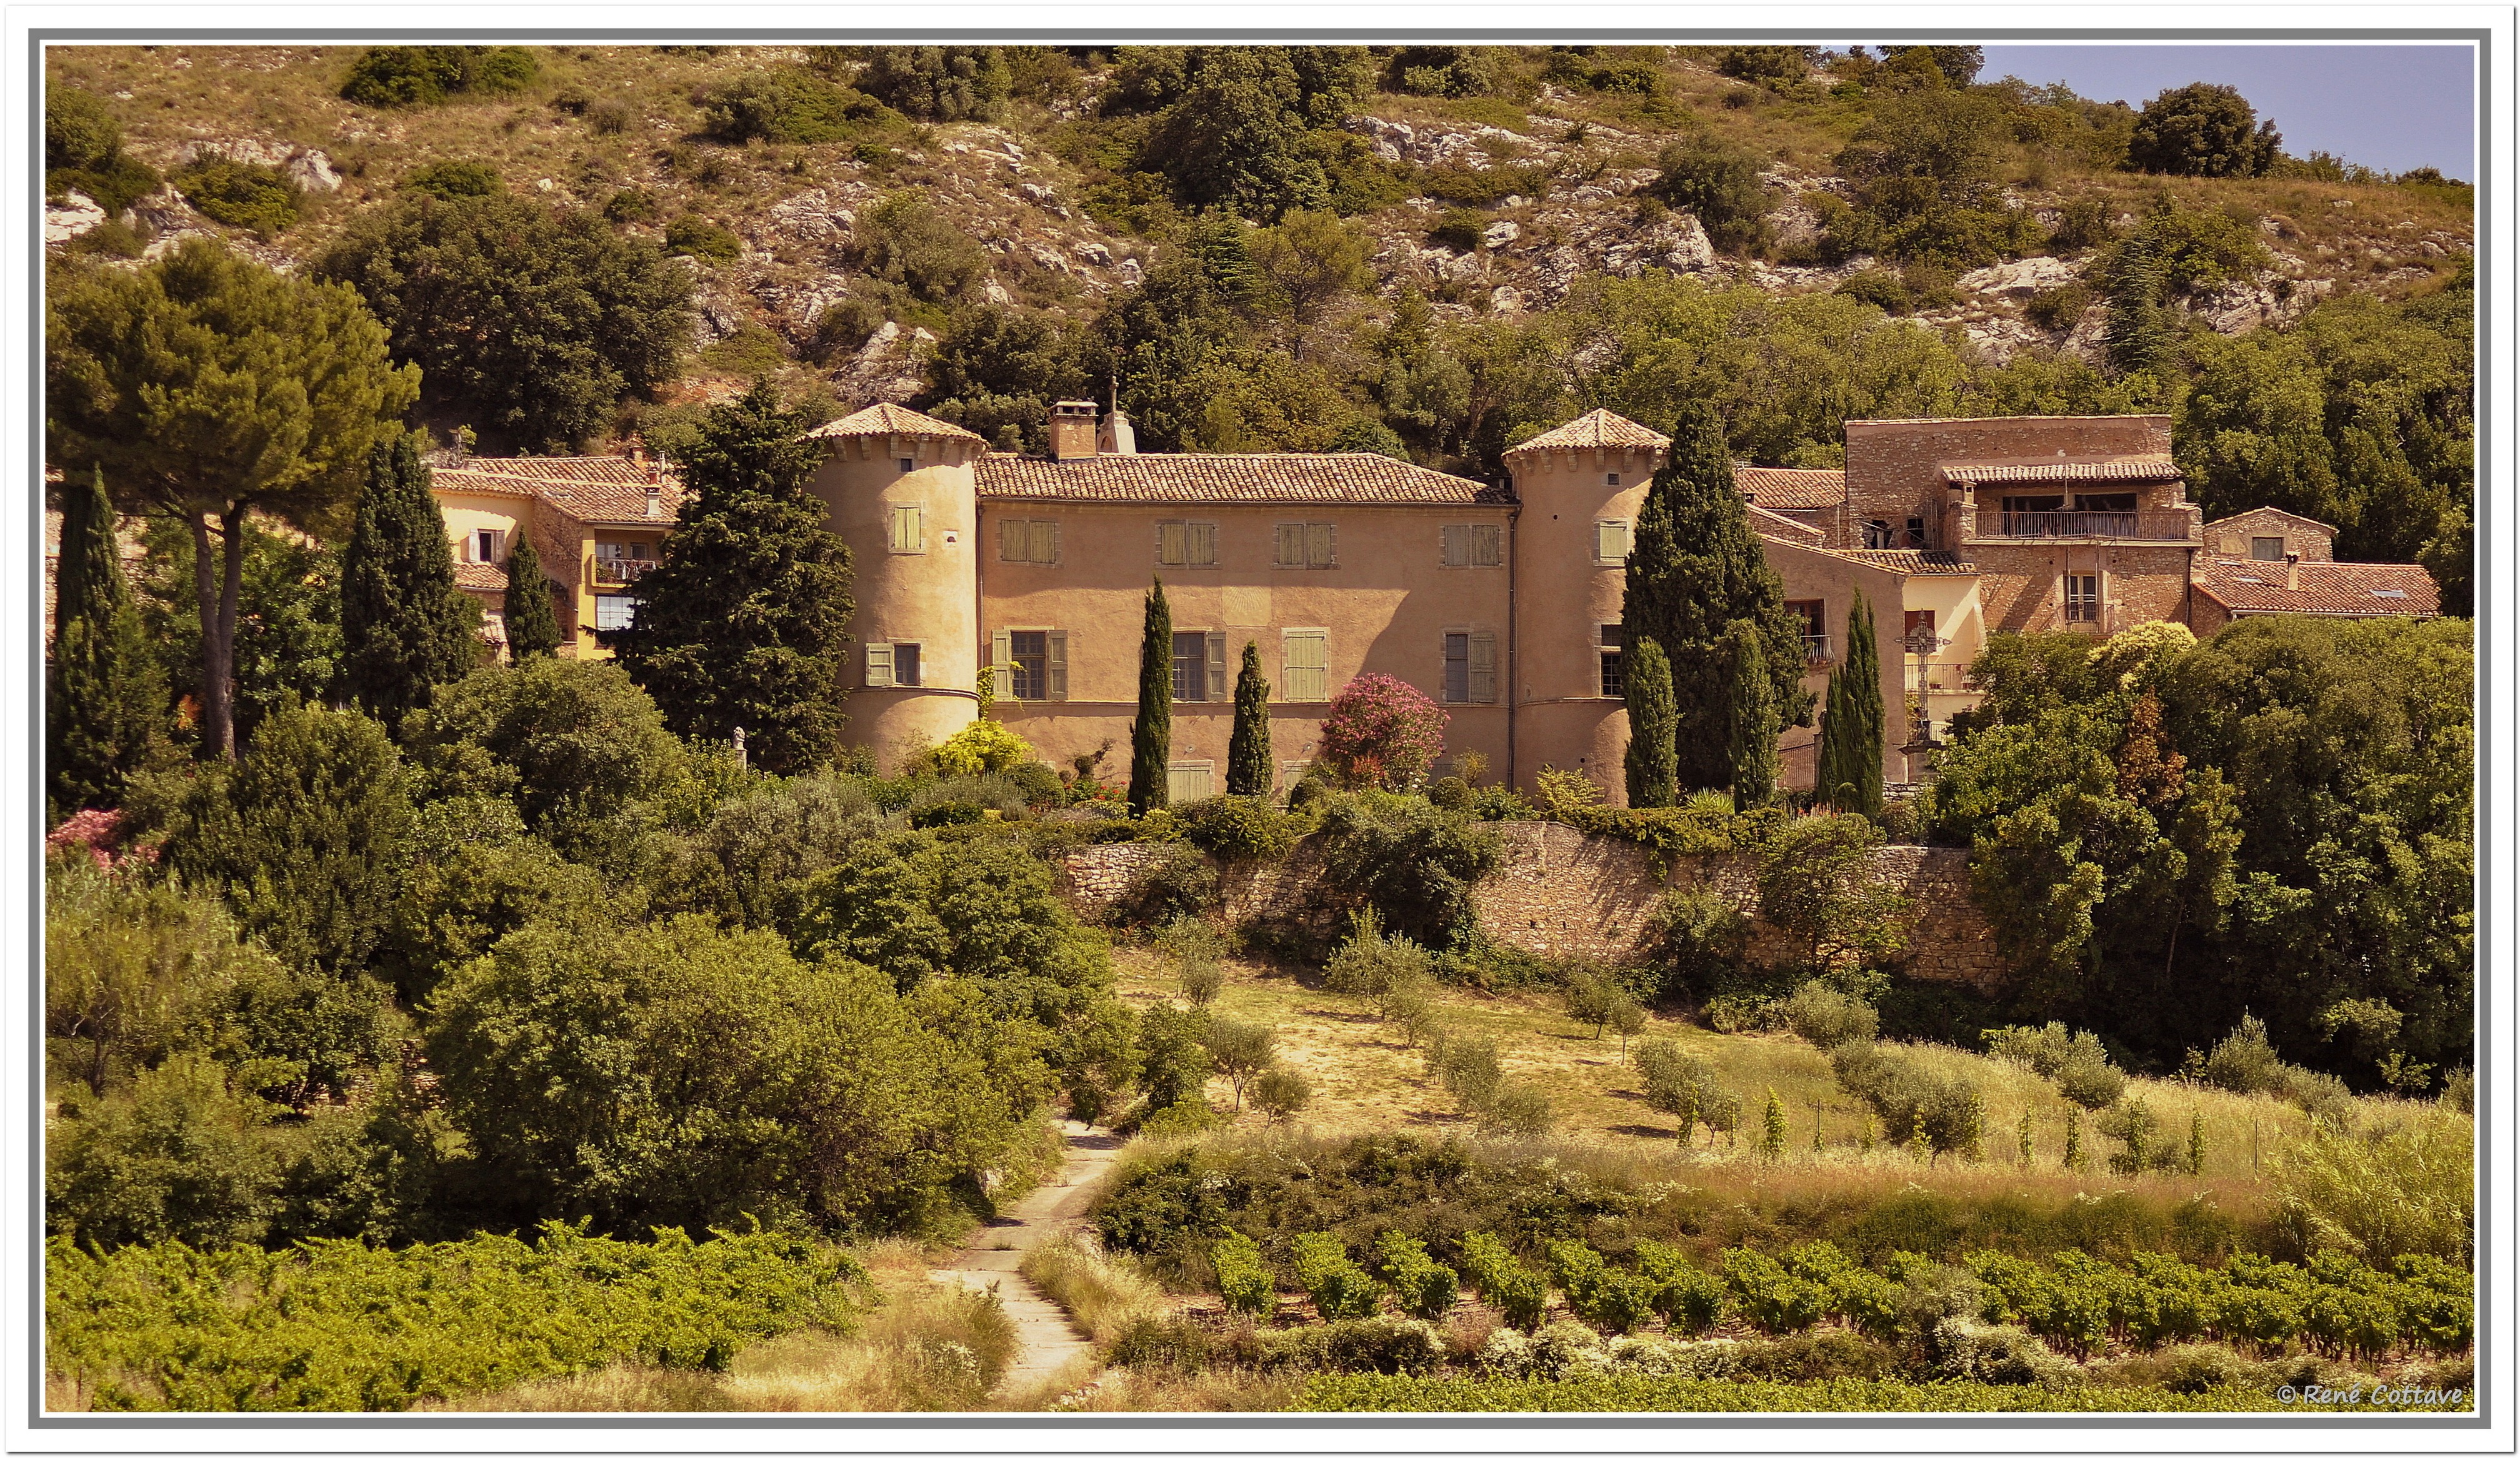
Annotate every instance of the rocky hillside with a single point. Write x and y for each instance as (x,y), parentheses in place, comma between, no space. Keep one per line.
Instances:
(1499,203)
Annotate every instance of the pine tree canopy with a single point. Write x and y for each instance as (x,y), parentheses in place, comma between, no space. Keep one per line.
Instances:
(744,622)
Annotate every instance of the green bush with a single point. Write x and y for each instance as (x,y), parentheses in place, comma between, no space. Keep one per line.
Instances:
(1238,828)
(1412,864)
(1770,1296)
(241,195)
(456,178)
(1339,1289)
(1689,1299)
(171,1328)
(1504,1281)
(1881,288)
(1825,1017)
(701,239)
(2075,1061)
(83,152)
(1626,1394)
(423,76)
(1242,1276)
(1425,1288)
(1176,881)
(1950,1111)
(789,104)
(2058,308)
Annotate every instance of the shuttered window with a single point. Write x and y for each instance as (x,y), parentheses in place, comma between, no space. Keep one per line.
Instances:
(1190,779)
(1305,675)
(1053,665)
(1020,540)
(1469,668)
(1002,664)
(1483,668)
(878,665)
(905,666)
(1610,541)
(1307,544)
(1473,544)
(909,528)
(1190,667)
(1186,543)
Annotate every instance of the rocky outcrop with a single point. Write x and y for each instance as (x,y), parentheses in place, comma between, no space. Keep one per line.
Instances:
(74,215)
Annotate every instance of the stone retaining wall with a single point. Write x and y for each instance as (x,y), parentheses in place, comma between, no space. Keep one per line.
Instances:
(1560,893)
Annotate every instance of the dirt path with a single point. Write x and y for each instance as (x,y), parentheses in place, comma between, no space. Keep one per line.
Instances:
(1045,1343)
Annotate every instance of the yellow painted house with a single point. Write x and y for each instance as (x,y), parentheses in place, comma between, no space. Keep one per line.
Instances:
(596,521)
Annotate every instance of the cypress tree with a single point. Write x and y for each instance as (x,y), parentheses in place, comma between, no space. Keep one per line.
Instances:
(1850,731)
(1652,719)
(744,622)
(405,628)
(1248,767)
(104,698)
(533,628)
(1150,736)
(1696,568)
(1754,725)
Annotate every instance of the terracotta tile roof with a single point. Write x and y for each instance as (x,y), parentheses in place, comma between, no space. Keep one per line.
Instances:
(1593,430)
(605,490)
(480,576)
(889,419)
(1785,488)
(1355,479)
(1912,562)
(1804,533)
(2347,589)
(2136,469)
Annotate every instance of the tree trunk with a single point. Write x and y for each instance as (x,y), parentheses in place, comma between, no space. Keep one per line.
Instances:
(218,690)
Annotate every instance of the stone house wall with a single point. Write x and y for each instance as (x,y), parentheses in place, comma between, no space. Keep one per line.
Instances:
(1560,893)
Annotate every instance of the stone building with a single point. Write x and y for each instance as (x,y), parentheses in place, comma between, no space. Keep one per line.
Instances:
(1502,602)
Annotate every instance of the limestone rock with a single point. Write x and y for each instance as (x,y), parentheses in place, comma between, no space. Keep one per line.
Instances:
(2018,279)
(72,216)
(1498,235)
(313,172)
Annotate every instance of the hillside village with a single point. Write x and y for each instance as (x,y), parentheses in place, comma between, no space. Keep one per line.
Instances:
(1439,728)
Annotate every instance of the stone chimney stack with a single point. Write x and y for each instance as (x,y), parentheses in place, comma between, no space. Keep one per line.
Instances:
(655,503)
(1071,430)
(2292,571)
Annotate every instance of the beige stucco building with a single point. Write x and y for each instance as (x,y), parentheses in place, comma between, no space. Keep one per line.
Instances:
(1502,602)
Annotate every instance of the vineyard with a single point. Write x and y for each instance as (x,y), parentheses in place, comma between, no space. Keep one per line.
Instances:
(338,1324)
(1372,1393)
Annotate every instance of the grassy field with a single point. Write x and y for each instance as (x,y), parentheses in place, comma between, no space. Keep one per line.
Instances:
(1364,1079)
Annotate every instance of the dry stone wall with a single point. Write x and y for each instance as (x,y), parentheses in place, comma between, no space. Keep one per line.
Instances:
(1560,893)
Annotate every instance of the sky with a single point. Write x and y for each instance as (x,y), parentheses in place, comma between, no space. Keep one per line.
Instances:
(2390,107)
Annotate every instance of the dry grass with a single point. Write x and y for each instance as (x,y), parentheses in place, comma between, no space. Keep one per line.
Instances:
(1366,1080)
(1101,1294)
(1170,1390)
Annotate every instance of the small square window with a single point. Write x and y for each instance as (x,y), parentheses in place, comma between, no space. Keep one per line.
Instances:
(2266,549)
(1614,478)
(614,610)
(905,664)
(908,465)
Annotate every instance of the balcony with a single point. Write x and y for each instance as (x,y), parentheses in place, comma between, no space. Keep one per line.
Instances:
(1816,649)
(621,571)
(2139,526)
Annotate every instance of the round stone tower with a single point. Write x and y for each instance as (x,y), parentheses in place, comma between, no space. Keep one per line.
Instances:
(1580,487)
(901,492)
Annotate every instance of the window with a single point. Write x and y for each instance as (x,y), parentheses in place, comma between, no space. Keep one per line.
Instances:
(1473,545)
(1614,668)
(907,464)
(909,528)
(2082,597)
(1199,667)
(626,551)
(1190,780)
(1610,541)
(1036,542)
(486,545)
(1307,544)
(2266,549)
(614,610)
(1304,677)
(2013,504)
(1916,533)
(1877,536)
(1614,478)
(1469,668)
(2105,501)
(1814,611)
(1029,664)
(892,665)
(1186,543)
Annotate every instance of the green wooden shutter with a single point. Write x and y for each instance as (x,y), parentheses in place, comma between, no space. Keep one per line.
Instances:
(1215,667)
(1306,672)
(1011,540)
(878,665)
(1044,547)
(1055,664)
(1457,546)
(1321,545)
(1291,544)
(1487,546)
(1200,542)
(1001,663)
(1483,676)
(1172,545)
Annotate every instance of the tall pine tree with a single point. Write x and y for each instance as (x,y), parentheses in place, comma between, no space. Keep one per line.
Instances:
(105,700)
(744,622)
(1150,736)
(1849,730)
(405,628)
(533,627)
(1695,568)
(1652,719)
(1754,717)
(1248,766)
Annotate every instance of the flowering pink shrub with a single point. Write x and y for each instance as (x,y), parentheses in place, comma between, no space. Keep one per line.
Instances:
(96,831)
(1381,732)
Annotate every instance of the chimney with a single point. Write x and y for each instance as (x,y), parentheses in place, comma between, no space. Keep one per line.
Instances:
(1117,437)
(638,451)
(1071,430)
(2292,571)
(656,506)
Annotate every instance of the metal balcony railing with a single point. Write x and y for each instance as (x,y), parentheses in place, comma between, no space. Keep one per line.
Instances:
(2164,527)
(1816,649)
(620,570)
